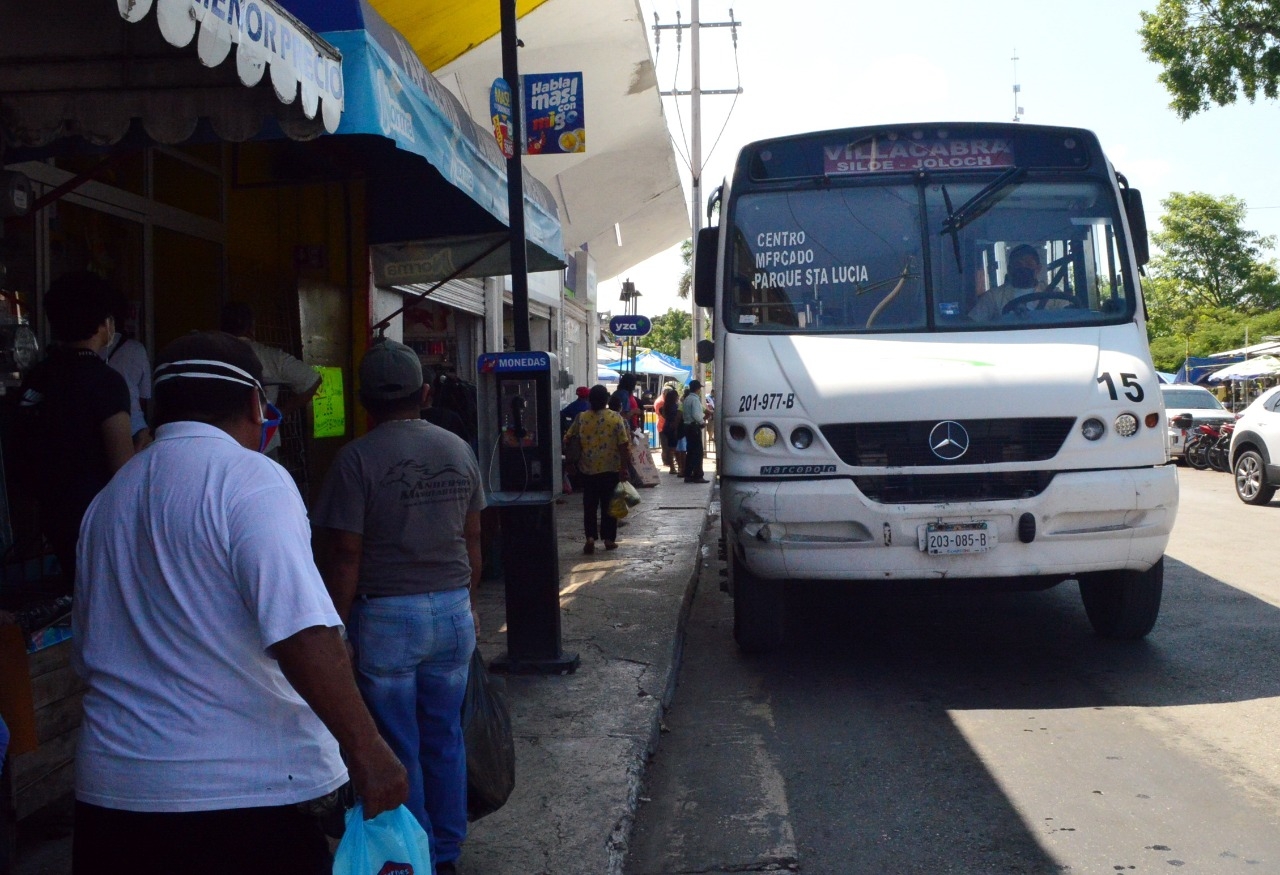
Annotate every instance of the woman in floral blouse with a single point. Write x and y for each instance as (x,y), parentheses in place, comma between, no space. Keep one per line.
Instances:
(606,447)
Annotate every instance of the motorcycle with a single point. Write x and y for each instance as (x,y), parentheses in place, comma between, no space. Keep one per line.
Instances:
(1196,450)
(1219,451)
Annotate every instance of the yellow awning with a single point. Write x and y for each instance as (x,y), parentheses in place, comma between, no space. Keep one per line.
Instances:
(443,30)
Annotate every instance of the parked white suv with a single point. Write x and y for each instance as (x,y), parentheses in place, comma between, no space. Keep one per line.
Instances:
(1255,449)
(1182,398)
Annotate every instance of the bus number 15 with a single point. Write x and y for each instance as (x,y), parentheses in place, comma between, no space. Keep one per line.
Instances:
(766,401)
(1129,381)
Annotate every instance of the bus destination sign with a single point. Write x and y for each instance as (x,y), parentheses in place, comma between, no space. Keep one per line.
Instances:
(911,156)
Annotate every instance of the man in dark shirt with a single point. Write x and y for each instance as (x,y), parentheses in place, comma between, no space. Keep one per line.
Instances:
(449,420)
(74,411)
(570,411)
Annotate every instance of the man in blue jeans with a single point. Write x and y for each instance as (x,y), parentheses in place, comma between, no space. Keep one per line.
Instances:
(402,508)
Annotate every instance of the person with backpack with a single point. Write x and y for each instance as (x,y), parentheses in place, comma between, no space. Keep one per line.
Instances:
(73,412)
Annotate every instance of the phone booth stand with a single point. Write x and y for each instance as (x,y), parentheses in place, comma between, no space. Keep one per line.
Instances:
(519,439)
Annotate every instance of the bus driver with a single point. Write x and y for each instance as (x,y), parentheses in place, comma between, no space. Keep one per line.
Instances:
(1022,278)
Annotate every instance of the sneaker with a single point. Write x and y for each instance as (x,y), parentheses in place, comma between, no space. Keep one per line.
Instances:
(611,545)
(589,547)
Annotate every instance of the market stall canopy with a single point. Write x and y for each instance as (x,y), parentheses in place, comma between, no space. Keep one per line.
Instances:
(1194,370)
(89,68)
(622,197)
(654,363)
(391,95)
(1249,369)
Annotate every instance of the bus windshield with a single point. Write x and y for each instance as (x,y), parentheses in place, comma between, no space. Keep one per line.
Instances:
(940,254)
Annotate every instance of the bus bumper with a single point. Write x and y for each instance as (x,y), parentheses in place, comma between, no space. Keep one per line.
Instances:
(828,530)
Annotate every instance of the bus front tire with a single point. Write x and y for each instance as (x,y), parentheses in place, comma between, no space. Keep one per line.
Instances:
(759,608)
(1123,604)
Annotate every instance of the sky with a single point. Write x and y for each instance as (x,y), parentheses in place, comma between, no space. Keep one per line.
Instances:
(808,65)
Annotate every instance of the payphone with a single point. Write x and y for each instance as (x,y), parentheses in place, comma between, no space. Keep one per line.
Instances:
(519,427)
(520,465)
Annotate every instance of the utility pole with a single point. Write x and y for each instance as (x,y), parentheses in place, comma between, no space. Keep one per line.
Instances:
(515,180)
(695,93)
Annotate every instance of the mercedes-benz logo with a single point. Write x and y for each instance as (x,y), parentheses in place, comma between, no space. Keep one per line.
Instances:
(949,441)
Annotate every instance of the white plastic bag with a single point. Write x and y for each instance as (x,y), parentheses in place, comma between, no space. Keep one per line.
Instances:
(393,843)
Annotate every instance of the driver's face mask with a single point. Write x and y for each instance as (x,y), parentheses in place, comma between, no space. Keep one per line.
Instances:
(1022,274)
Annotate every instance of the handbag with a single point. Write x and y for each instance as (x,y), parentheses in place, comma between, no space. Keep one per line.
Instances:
(573,449)
(491,751)
(393,841)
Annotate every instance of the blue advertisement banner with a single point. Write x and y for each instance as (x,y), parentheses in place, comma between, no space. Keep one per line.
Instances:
(555,120)
(500,111)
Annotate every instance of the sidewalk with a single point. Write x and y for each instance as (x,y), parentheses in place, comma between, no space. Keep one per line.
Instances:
(582,740)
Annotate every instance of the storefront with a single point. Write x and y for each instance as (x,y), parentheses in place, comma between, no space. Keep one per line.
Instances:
(192,162)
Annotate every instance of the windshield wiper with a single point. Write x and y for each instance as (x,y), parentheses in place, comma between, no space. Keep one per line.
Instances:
(980,202)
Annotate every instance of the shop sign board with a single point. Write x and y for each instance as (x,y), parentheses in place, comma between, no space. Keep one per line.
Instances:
(630,326)
(329,406)
(553,113)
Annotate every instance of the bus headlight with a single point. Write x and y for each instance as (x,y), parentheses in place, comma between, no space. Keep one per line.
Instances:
(765,436)
(802,438)
(1093,429)
(737,432)
(1126,425)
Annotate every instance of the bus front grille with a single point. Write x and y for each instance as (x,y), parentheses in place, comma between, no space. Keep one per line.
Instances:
(914,444)
(941,488)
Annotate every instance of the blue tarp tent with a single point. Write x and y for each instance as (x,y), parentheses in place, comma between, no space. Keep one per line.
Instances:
(1194,370)
(654,363)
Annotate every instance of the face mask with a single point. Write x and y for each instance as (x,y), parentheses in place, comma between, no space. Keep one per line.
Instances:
(1022,277)
(270,422)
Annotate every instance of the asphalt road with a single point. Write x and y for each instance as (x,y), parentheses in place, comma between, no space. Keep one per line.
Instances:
(987,734)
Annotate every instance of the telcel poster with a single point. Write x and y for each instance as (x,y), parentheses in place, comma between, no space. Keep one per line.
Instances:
(555,123)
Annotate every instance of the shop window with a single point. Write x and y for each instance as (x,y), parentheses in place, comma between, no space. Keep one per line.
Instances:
(188,284)
(183,182)
(126,171)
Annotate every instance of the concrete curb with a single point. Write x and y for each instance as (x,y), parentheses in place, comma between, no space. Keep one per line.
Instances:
(583,741)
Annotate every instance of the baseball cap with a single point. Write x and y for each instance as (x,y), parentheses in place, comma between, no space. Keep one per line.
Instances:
(389,371)
(583,391)
(695,384)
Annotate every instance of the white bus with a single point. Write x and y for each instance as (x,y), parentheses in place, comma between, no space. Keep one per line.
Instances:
(931,364)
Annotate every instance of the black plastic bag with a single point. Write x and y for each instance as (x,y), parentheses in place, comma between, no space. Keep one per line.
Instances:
(491,751)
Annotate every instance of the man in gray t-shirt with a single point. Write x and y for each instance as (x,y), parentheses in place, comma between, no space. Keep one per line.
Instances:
(401,509)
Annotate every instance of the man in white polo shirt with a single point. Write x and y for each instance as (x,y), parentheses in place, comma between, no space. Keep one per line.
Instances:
(217,676)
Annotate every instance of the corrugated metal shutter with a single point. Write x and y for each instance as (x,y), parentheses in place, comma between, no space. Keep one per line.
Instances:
(461,294)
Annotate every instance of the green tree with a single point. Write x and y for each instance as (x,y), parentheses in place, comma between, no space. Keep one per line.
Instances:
(686,278)
(669,329)
(1213,51)
(1209,259)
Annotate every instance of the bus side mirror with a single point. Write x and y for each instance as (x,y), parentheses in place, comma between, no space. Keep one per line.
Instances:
(1137,223)
(704,267)
(706,351)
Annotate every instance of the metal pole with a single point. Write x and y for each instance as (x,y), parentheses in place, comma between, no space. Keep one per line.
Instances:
(695,161)
(515,181)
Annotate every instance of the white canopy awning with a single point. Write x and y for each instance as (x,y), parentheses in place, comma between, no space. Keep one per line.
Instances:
(85,70)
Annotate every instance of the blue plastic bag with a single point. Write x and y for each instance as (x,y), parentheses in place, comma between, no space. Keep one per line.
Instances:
(393,843)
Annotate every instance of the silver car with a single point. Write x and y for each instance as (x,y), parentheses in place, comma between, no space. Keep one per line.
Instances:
(1182,398)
